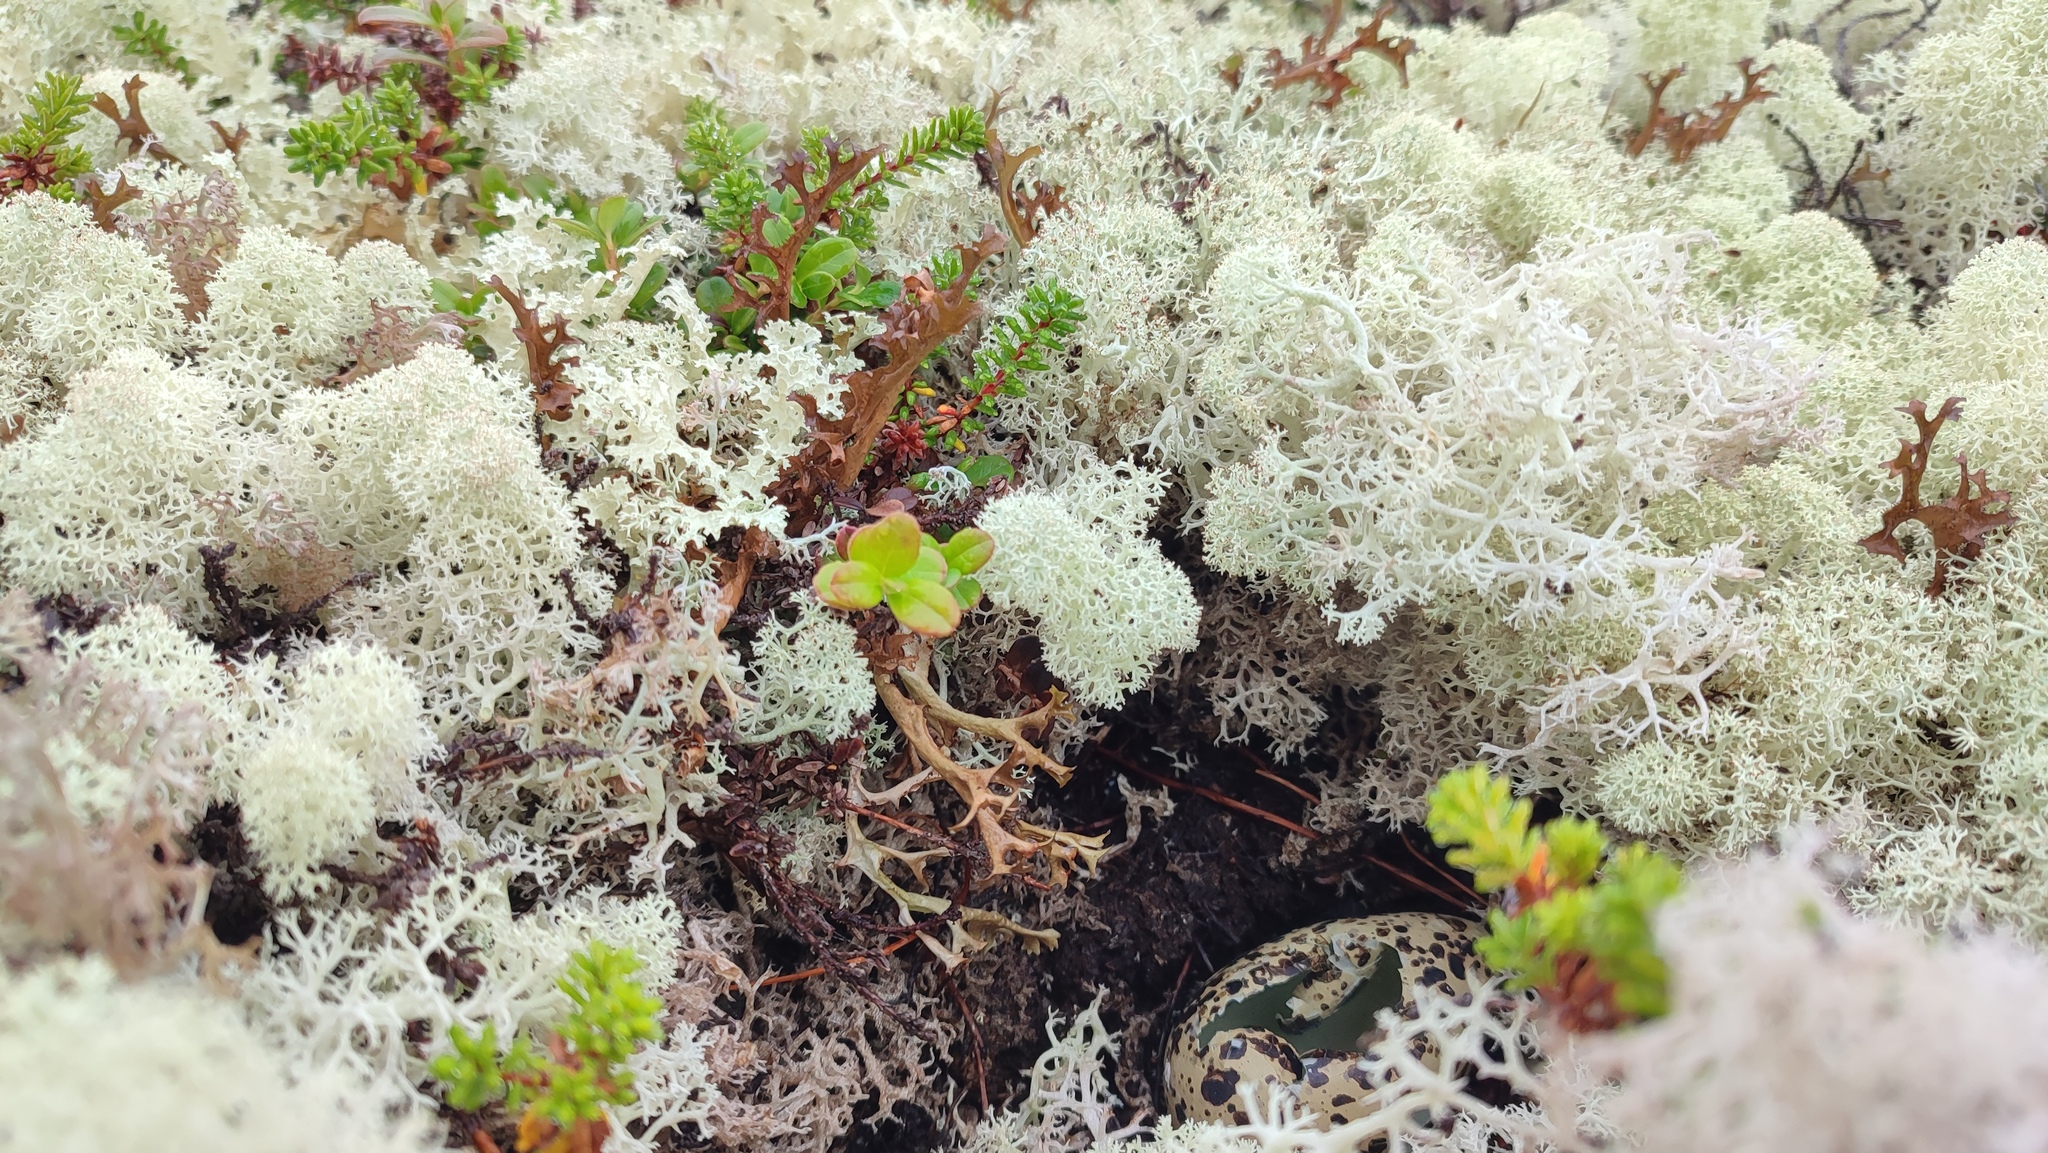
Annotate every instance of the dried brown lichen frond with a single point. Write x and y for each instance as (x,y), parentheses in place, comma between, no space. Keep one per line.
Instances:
(231,142)
(103,203)
(1023,212)
(1958,524)
(394,337)
(1324,67)
(194,233)
(132,127)
(122,886)
(554,396)
(992,795)
(1684,132)
(915,325)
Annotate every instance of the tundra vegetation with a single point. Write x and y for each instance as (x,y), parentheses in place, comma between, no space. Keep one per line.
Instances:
(779,576)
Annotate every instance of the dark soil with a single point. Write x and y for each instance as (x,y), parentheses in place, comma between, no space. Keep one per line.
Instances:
(236,906)
(1200,888)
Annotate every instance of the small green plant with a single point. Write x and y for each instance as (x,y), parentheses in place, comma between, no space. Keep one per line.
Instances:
(479,56)
(318,9)
(614,225)
(925,583)
(150,38)
(35,156)
(794,242)
(560,1094)
(1574,921)
(1015,345)
(388,138)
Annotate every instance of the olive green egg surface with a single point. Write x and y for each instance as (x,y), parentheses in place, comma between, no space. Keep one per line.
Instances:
(1297,1013)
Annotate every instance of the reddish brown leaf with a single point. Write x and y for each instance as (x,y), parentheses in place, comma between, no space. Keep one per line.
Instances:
(554,396)
(133,129)
(1023,211)
(1684,132)
(1958,524)
(28,172)
(1322,66)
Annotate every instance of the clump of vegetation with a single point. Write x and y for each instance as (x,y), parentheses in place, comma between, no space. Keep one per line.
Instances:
(738,482)
(926,583)
(387,138)
(150,38)
(793,239)
(1574,922)
(560,1091)
(36,156)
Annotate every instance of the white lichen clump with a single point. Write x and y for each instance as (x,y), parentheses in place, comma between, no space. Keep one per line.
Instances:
(1464,414)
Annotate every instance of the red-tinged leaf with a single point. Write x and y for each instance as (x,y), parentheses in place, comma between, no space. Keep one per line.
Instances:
(926,607)
(487,36)
(390,14)
(890,544)
(969,549)
(848,585)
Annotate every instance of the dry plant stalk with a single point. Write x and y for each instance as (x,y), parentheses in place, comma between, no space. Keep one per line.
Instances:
(992,795)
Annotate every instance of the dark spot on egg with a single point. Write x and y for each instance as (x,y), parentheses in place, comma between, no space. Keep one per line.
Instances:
(1219,1088)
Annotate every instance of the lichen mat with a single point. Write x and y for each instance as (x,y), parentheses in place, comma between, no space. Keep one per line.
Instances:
(787,577)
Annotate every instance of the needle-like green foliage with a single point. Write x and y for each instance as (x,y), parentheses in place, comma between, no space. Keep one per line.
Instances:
(35,156)
(150,38)
(1577,930)
(1018,344)
(389,138)
(582,1070)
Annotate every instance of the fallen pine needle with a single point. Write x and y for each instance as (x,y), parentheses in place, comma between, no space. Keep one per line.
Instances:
(1224,799)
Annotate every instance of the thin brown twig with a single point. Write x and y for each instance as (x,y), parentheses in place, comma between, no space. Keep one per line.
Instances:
(1224,799)
(1290,786)
(819,971)
(1425,886)
(1439,870)
(1173,998)
(973,1035)
(1265,769)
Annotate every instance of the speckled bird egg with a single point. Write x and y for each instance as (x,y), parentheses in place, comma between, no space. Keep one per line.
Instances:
(1298,1012)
